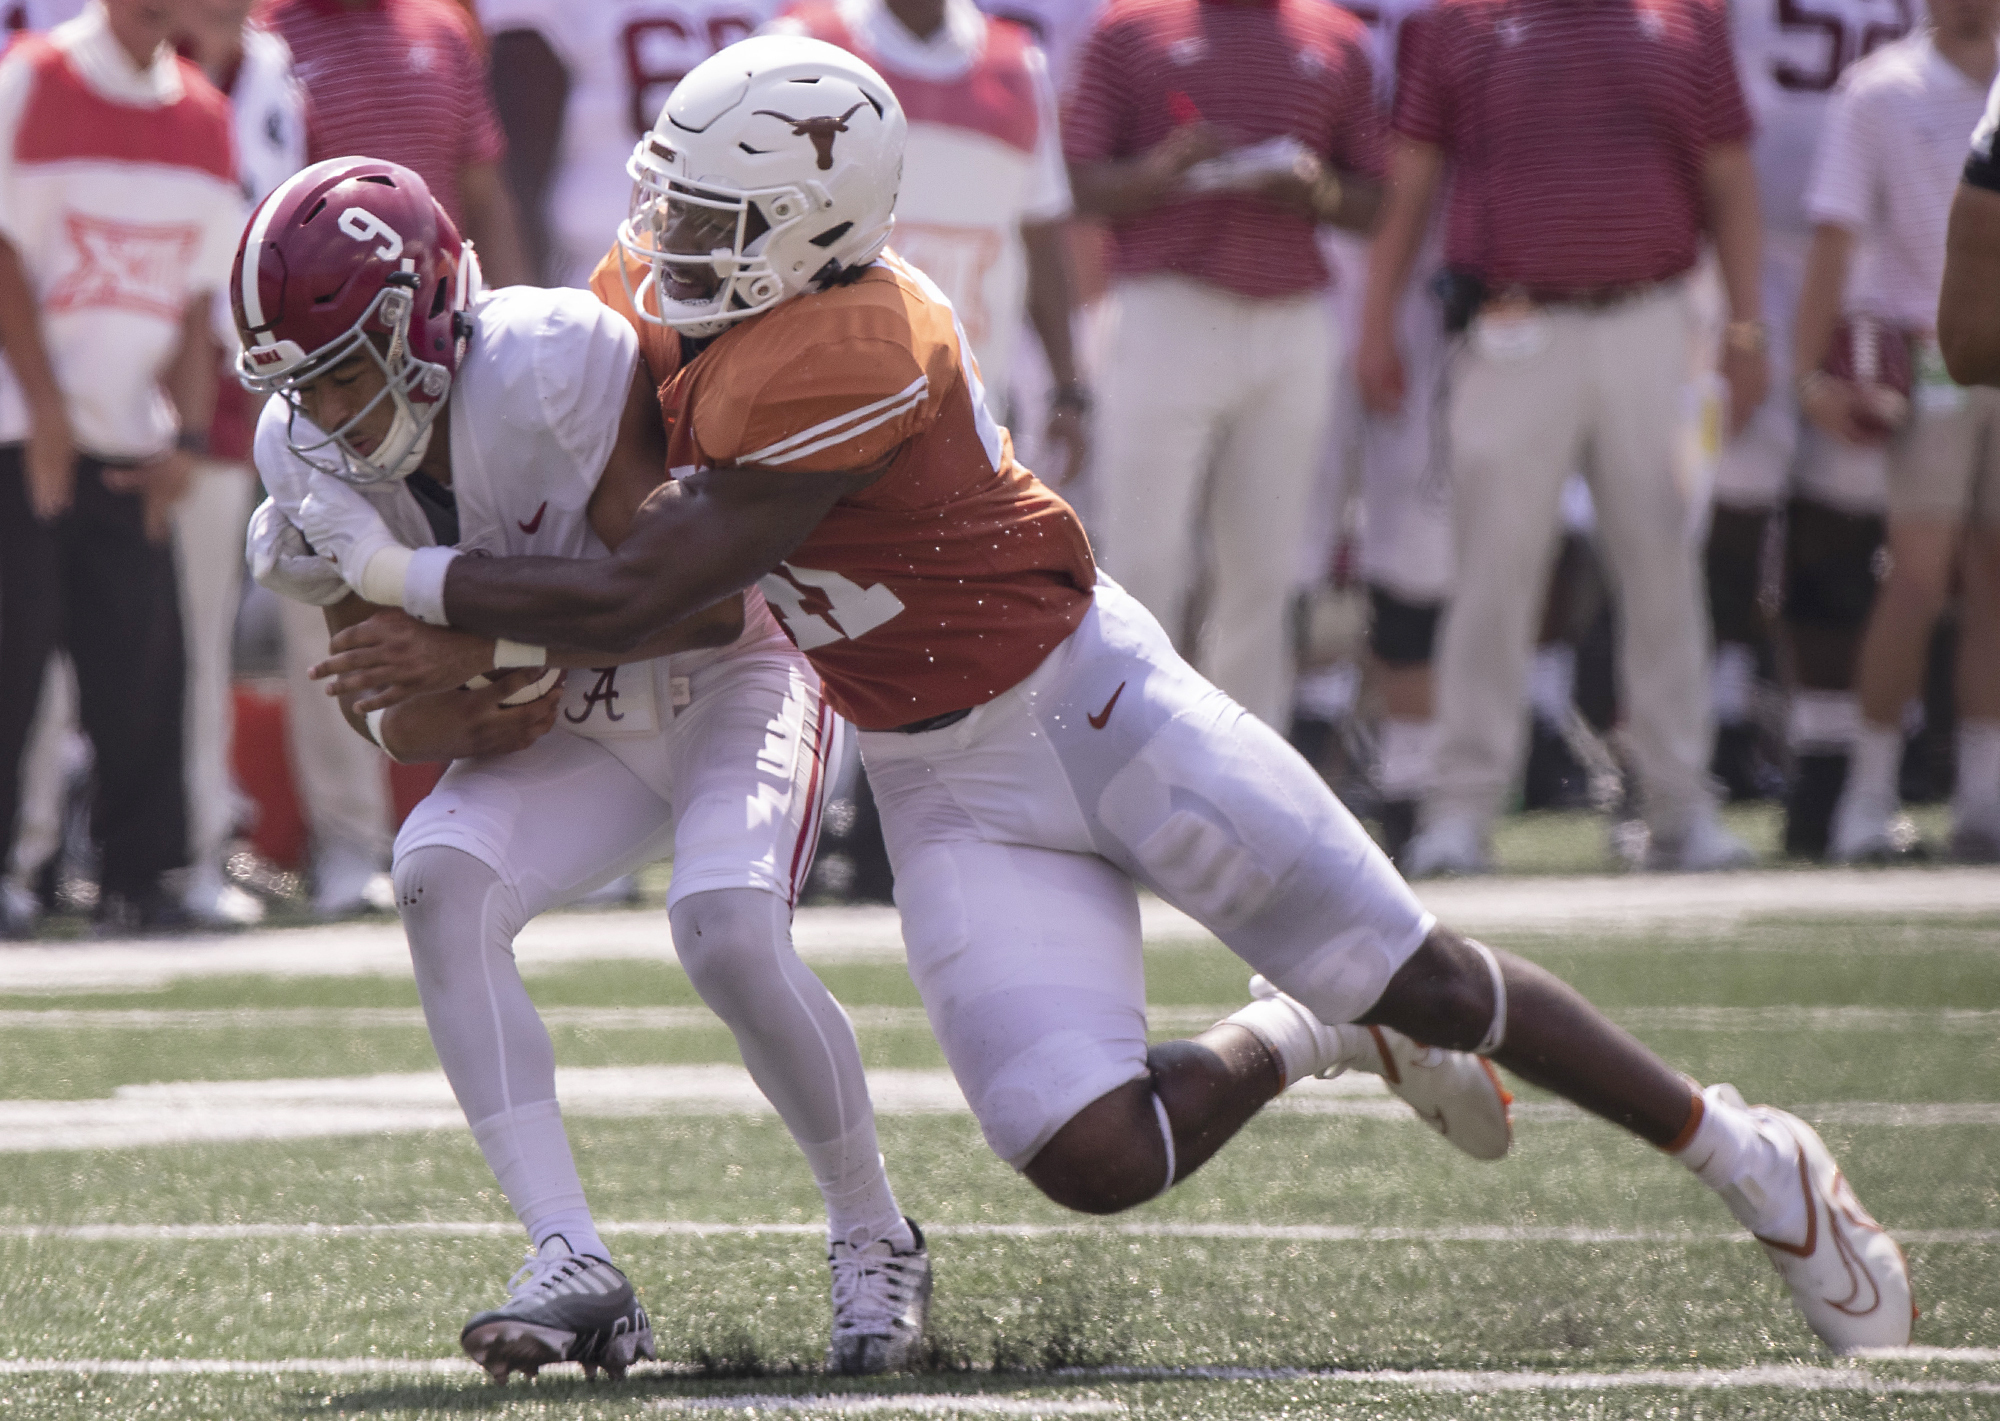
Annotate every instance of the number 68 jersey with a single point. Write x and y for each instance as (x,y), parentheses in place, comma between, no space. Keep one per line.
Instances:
(1789,55)
(623,57)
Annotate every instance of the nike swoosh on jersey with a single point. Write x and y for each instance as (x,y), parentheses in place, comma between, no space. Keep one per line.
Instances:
(534,523)
(1097,722)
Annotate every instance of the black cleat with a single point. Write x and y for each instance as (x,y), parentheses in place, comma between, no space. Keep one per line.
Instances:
(561,1307)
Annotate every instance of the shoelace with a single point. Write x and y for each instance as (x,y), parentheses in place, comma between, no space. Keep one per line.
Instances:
(871,1291)
(539,1275)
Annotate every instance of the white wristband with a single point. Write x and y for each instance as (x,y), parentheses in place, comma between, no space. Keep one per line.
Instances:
(423,588)
(383,579)
(508,654)
(373,720)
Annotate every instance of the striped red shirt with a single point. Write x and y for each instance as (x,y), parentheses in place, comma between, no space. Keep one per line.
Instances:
(395,79)
(1259,71)
(1576,132)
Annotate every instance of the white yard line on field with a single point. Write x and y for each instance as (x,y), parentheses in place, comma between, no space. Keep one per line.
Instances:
(1964,1021)
(1798,1378)
(1490,905)
(896,1404)
(1208,1233)
(188,1112)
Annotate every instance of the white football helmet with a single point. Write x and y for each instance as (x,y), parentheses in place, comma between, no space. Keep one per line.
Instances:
(772,169)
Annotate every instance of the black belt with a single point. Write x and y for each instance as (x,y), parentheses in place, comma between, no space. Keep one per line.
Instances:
(934,722)
(1593,298)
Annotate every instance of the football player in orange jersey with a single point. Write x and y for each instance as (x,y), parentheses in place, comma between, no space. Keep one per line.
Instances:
(1036,745)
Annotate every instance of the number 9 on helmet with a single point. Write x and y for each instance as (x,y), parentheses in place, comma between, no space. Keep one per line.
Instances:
(354,257)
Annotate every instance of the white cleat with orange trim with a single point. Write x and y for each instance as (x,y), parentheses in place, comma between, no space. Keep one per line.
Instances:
(1846,1274)
(1457,1094)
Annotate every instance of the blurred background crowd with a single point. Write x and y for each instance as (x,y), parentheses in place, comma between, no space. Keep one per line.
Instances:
(1525,404)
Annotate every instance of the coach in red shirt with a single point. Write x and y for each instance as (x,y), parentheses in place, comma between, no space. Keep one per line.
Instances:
(1215,137)
(405,80)
(1590,143)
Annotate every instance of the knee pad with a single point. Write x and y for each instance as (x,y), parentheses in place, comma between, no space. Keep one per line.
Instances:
(1734,563)
(1402,633)
(1830,565)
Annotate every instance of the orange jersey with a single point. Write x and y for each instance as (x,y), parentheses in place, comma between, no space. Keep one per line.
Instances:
(948,579)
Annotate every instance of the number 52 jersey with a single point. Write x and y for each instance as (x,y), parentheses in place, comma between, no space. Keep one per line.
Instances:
(948,579)
(623,57)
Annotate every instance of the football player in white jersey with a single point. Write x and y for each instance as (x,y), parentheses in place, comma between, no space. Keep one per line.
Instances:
(1790,55)
(493,424)
(576,86)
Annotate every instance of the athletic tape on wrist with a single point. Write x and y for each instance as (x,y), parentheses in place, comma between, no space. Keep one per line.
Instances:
(508,654)
(423,587)
(1166,1134)
(387,572)
(1496,1032)
(373,720)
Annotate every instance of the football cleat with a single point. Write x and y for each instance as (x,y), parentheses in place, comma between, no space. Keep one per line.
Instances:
(561,1307)
(1454,845)
(1456,1093)
(1846,1274)
(881,1298)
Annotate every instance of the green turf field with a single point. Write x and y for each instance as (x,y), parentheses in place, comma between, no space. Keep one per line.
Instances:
(1328,1263)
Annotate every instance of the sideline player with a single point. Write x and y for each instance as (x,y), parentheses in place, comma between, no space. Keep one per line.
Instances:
(523,420)
(1036,744)
(575,86)
(1789,60)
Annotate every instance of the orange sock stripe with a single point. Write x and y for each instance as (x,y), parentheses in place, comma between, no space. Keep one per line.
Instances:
(1696,1109)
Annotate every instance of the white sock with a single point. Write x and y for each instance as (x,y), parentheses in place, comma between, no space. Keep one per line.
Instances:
(1975,800)
(528,1152)
(1298,1041)
(1873,763)
(1823,722)
(1730,678)
(1407,747)
(1748,1168)
(1552,681)
(859,1202)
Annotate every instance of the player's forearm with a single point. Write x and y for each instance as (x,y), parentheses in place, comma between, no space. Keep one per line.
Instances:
(21,335)
(1968,320)
(1730,181)
(1821,296)
(190,380)
(491,226)
(1051,296)
(1414,172)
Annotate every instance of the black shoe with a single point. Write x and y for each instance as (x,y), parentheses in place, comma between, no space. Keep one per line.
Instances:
(1817,780)
(562,1307)
(1553,778)
(1395,826)
(149,912)
(1740,764)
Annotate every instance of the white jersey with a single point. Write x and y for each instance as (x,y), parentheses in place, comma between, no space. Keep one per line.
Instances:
(624,57)
(983,157)
(1059,27)
(534,413)
(1789,55)
(1887,169)
(269,107)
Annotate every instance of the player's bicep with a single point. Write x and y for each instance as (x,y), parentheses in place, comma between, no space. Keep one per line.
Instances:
(635,467)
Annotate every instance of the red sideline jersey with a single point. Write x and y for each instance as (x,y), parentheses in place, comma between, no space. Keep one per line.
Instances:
(948,579)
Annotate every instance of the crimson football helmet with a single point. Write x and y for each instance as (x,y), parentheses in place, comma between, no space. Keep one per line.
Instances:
(354,256)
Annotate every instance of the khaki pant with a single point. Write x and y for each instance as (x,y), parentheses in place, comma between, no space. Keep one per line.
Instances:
(1211,432)
(208,543)
(1531,399)
(340,776)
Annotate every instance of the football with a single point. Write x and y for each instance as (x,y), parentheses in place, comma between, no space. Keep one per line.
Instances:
(1875,359)
(527,693)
